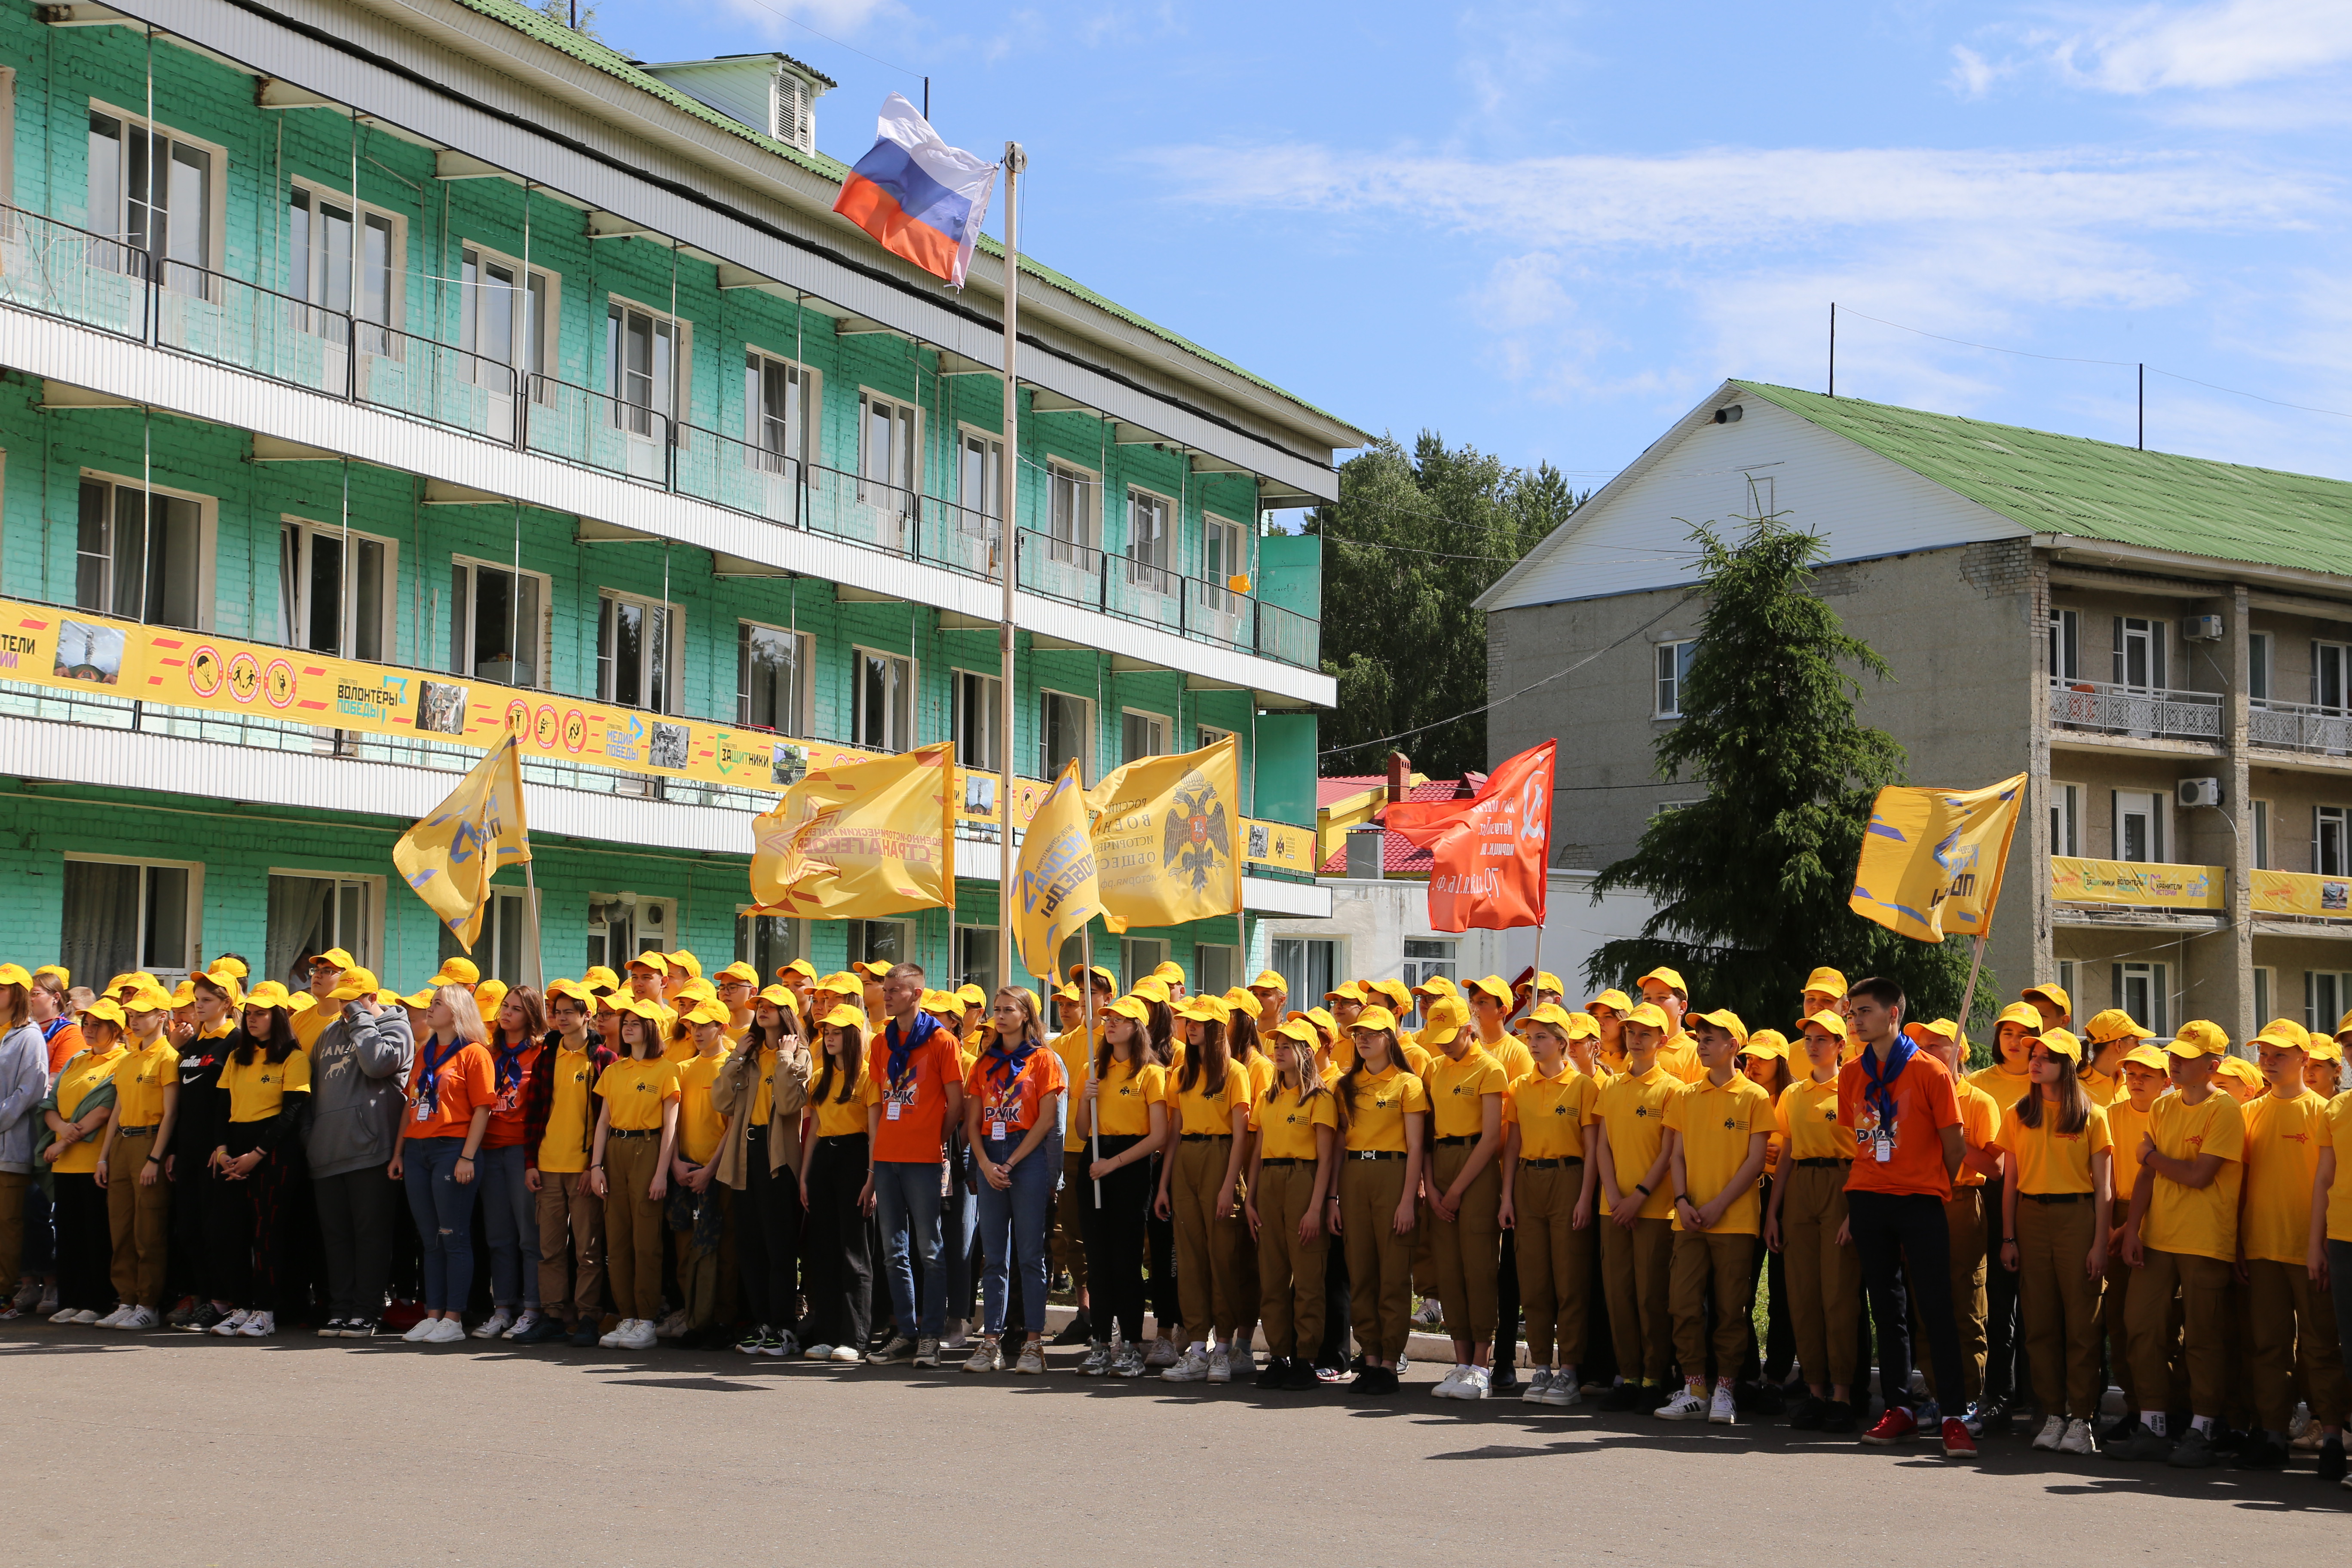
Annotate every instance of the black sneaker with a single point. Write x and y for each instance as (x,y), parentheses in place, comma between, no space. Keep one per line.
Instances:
(1503,1383)
(1987,1419)
(2228,1439)
(1837,1416)
(1624,1397)
(2120,1432)
(1275,1373)
(1808,1415)
(1080,1331)
(358,1327)
(207,1318)
(2193,1452)
(2262,1451)
(1763,1398)
(2331,1458)
(1301,1376)
(333,1328)
(1378,1380)
(2138,1445)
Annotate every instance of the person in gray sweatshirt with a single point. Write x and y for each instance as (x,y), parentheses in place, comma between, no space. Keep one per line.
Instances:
(24,1081)
(358,1078)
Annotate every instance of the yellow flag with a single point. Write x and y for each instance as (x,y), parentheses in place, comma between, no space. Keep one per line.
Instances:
(450,856)
(860,839)
(1166,834)
(1054,887)
(1932,859)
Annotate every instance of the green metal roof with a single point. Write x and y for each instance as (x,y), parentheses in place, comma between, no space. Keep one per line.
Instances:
(579,45)
(2097,490)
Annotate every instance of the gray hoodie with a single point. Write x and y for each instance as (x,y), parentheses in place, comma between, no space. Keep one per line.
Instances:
(359,1076)
(24,1082)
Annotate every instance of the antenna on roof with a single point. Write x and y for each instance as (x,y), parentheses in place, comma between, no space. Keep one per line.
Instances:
(2143,407)
(1833,348)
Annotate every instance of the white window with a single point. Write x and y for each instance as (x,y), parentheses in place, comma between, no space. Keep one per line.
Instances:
(2139,825)
(645,375)
(613,928)
(889,452)
(124,915)
(144,556)
(1308,965)
(1217,969)
(2139,653)
(348,267)
(1141,735)
(310,912)
(2331,673)
(1065,730)
(2066,645)
(636,665)
(1207,736)
(781,404)
(159,194)
(1425,958)
(768,942)
(882,701)
(2262,861)
(1071,513)
(502,951)
(1140,955)
(974,963)
(2259,651)
(335,593)
(2329,847)
(1151,541)
(979,482)
(2066,977)
(503,322)
(2265,991)
(2140,991)
(880,941)
(1673,662)
(979,717)
(497,622)
(2326,993)
(769,690)
(1224,555)
(2065,819)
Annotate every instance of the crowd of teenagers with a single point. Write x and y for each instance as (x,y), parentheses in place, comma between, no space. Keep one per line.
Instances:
(856,1168)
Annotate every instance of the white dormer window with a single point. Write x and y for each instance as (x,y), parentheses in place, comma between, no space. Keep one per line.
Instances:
(791,113)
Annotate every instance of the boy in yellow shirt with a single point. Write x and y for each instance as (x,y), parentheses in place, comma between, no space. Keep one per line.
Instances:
(1637,1239)
(2144,1073)
(2292,1318)
(1718,1129)
(1663,988)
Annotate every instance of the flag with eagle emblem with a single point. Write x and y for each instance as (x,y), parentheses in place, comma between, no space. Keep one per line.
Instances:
(862,839)
(1166,829)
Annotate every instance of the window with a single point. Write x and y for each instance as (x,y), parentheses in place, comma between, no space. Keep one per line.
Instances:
(634,663)
(1207,736)
(124,915)
(2139,653)
(2329,662)
(974,963)
(2325,995)
(2328,856)
(153,191)
(979,715)
(502,951)
(2258,666)
(140,555)
(2065,819)
(1224,553)
(309,913)
(1141,735)
(642,372)
(2266,989)
(498,629)
(1217,969)
(613,928)
(888,470)
(334,594)
(2067,980)
(882,701)
(780,412)
(980,483)
(1063,732)
(334,259)
(1425,957)
(2139,825)
(768,942)
(1140,955)
(1307,965)
(879,941)
(2262,861)
(768,664)
(1674,669)
(2066,645)
(1070,513)
(501,326)
(2139,990)
(1151,538)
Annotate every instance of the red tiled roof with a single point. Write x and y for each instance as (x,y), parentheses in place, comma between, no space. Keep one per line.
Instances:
(1399,855)
(1336,789)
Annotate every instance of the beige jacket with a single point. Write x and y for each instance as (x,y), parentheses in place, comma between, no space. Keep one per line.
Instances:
(738,1084)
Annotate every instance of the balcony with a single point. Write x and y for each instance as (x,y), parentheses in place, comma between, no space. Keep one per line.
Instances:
(87,280)
(2143,713)
(2091,893)
(2300,727)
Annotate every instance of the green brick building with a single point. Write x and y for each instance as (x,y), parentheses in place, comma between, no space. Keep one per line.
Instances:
(428,334)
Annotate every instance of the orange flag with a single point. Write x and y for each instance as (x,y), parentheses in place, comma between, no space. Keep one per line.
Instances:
(1489,852)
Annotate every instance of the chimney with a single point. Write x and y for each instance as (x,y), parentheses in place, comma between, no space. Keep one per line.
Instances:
(1400,777)
(1365,847)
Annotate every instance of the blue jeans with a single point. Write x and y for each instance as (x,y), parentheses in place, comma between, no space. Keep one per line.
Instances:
(907,1201)
(1012,1224)
(510,1223)
(443,1212)
(956,1224)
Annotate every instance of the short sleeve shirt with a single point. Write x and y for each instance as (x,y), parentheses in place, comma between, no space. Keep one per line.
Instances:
(2199,1221)
(1010,1102)
(1633,1112)
(2049,1161)
(914,1105)
(1717,1123)
(1457,1090)
(1925,1105)
(258,1088)
(1381,1102)
(634,1092)
(1551,1113)
(464,1080)
(1286,1124)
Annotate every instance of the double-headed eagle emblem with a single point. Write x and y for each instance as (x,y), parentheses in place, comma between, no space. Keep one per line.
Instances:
(1198,840)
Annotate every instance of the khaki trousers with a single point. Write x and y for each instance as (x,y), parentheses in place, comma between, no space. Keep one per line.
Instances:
(708,1276)
(1555,1272)
(1825,1279)
(11,1225)
(571,1246)
(1380,1261)
(1290,1271)
(2203,1284)
(2058,1305)
(2294,1323)
(632,1227)
(1705,1261)
(1970,1227)
(2113,1306)
(1208,1245)
(1465,1250)
(1070,1206)
(140,1220)
(1635,1266)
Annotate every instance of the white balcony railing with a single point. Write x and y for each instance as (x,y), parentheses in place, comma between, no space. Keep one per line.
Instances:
(2300,727)
(2146,713)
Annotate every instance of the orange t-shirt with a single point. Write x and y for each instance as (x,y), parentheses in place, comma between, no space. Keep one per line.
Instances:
(1013,1103)
(63,1045)
(1924,1105)
(506,1127)
(914,1107)
(464,1083)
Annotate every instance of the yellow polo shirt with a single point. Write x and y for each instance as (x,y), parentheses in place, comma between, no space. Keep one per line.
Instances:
(1807,1116)
(1456,1088)
(1382,1101)
(1124,1097)
(1981,1117)
(1512,1052)
(86,1072)
(633,1091)
(563,1149)
(2284,1138)
(1632,1114)
(1076,1052)
(1199,1112)
(2125,1128)
(1551,1113)
(1286,1124)
(2049,1161)
(313,1021)
(2199,1221)
(837,1117)
(2006,1088)
(1717,1122)
(699,1125)
(1678,1054)
(258,1089)
(139,1079)
(2339,1193)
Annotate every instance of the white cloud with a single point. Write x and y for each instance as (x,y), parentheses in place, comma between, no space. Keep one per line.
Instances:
(774,17)
(2224,44)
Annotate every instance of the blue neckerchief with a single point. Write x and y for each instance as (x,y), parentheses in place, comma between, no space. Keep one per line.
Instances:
(428,1080)
(1010,1063)
(509,1059)
(901,1050)
(1880,1090)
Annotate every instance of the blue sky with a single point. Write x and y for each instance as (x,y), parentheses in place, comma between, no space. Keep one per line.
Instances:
(1549,230)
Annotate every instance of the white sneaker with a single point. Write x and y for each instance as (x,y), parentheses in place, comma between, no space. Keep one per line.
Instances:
(446,1331)
(418,1332)
(2079,1439)
(927,1352)
(1162,1354)
(1097,1359)
(643,1339)
(1244,1360)
(1192,1366)
(1474,1384)
(673,1325)
(113,1320)
(227,1327)
(1683,1407)
(524,1324)
(1566,1388)
(2052,1433)
(1537,1387)
(1032,1360)
(823,1352)
(141,1319)
(1446,1386)
(958,1337)
(788,1344)
(1429,1314)
(984,1357)
(1221,1364)
(79,1320)
(1918,1386)
(497,1323)
(608,1341)
(846,1356)
(1720,1410)
(259,1326)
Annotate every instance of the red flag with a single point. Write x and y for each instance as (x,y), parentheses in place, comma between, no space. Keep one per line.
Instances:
(1489,852)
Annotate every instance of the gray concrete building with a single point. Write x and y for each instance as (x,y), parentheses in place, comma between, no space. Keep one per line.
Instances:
(2162,644)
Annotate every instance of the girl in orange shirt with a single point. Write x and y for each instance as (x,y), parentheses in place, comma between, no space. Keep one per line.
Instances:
(450,1096)
(1013,1119)
(509,1216)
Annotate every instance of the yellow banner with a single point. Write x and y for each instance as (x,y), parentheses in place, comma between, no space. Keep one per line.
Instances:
(1166,838)
(2297,893)
(869,837)
(450,856)
(1055,886)
(2139,883)
(1932,859)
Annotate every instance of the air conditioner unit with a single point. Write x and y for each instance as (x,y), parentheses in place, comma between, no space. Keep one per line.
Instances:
(2201,792)
(2200,629)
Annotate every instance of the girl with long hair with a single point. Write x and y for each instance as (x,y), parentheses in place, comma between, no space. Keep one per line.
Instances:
(519,1054)
(259,1096)
(77,1110)
(1208,1098)
(1124,1120)
(1296,1123)
(1382,1110)
(628,1167)
(761,1091)
(2054,1238)
(131,1158)
(1013,1102)
(836,1157)
(1801,1225)
(1159,1228)
(450,1096)
(1548,1182)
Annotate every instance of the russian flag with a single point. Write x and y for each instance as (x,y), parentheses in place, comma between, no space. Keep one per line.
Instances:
(921,198)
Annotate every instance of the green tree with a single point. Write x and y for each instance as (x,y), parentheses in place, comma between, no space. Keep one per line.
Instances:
(1415,538)
(580,15)
(1751,881)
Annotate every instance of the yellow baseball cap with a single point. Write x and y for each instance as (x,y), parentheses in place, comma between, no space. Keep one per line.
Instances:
(600,977)
(423,998)
(1133,1007)
(489,997)
(1547,980)
(456,972)
(1492,985)
(1649,1015)
(1171,970)
(932,1001)
(1443,1019)
(1102,976)
(779,997)
(1069,994)
(2112,1025)
(1767,1043)
(871,968)
(1242,1000)
(970,995)
(2022,1015)
(800,966)
(1827,981)
(222,981)
(14,974)
(574,989)
(333,955)
(698,991)
(1399,998)
(1574,1026)
(2199,1037)
(1436,985)
(1943,1029)
(1672,979)
(2324,1049)
(1723,1018)
(650,960)
(356,983)
(2287,1035)
(841,983)
(1206,1010)
(269,994)
(1826,1019)
(707,1013)
(2147,1057)
(1616,1001)
(2061,1043)
(1375,1018)
(741,971)
(1321,1018)
(1299,1030)
(65,975)
(148,999)
(1149,989)
(2239,1068)
(1352,991)
(106,1010)
(2054,994)
(1268,980)
(183,993)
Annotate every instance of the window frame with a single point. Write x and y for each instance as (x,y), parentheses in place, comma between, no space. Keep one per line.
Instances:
(747,939)
(990,512)
(486,954)
(1660,678)
(1163,575)
(2155,799)
(1089,757)
(1207,736)
(1167,732)
(208,547)
(2065,653)
(912,488)
(672,646)
(2262,667)
(1300,977)
(978,939)
(2156,631)
(551,330)
(369,951)
(299,614)
(2323,818)
(2066,808)
(1134,951)
(682,355)
(195,912)
(1086,487)
(958,707)
(543,676)
(803,653)
(2264,816)
(757,454)
(2321,649)
(910,708)
(215,196)
(1234,972)
(2265,992)
(396,288)
(861,952)
(2156,1011)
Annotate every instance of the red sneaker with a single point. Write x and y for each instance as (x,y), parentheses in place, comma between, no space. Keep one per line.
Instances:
(1897,1426)
(1958,1444)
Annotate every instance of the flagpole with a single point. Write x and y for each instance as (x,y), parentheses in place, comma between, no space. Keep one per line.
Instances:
(530,887)
(1007,554)
(1968,996)
(1087,989)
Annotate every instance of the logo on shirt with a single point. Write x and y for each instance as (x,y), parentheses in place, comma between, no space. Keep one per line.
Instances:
(1728,1122)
